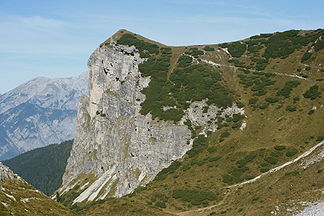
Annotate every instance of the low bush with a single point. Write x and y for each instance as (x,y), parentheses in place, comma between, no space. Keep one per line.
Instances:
(130,39)
(291,108)
(312,93)
(199,145)
(289,86)
(184,61)
(207,48)
(194,197)
(280,147)
(291,152)
(213,159)
(212,149)
(247,159)
(272,100)
(195,52)
(253,100)
(271,160)
(319,138)
(306,56)
(293,173)
(225,134)
(166,171)
(236,49)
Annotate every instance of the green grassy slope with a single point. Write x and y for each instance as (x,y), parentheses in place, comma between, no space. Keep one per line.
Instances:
(19,198)
(43,167)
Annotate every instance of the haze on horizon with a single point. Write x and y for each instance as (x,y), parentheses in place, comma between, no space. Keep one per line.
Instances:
(55,38)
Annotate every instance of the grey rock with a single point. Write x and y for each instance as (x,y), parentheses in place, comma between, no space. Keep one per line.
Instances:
(114,142)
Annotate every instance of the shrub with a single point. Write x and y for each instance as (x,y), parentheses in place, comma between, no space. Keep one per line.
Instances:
(280,147)
(166,171)
(272,100)
(212,149)
(254,48)
(207,48)
(236,49)
(184,61)
(320,138)
(263,106)
(253,100)
(291,108)
(293,173)
(228,179)
(271,160)
(296,99)
(237,63)
(311,112)
(281,45)
(194,197)
(213,159)
(142,46)
(291,152)
(247,159)
(261,63)
(160,204)
(199,144)
(289,86)
(225,134)
(237,117)
(239,171)
(195,52)
(166,50)
(306,56)
(312,93)
(264,170)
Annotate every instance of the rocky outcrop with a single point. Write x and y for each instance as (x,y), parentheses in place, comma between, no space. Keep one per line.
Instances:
(116,148)
(114,142)
(6,173)
(38,113)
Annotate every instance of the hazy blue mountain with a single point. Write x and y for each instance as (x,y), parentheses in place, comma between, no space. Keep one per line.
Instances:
(38,113)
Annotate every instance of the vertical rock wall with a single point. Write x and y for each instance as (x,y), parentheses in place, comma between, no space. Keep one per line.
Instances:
(114,142)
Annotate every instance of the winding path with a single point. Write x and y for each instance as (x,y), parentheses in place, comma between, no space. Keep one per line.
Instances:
(305,154)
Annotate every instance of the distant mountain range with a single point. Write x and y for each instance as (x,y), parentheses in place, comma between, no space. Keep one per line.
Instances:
(39,112)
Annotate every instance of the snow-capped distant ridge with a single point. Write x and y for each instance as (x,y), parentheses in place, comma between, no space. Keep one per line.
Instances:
(39,112)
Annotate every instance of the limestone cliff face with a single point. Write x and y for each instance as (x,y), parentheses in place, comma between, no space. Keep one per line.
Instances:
(117,146)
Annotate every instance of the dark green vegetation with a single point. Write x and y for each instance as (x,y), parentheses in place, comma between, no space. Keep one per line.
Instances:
(236,49)
(280,45)
(194,197)
(257,82)
(195,52)
(43,167)
(312,93)
(145,49)
(187,82)
(257,51)
(289,86)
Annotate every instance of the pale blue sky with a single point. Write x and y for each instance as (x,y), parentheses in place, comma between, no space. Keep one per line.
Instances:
(54,38)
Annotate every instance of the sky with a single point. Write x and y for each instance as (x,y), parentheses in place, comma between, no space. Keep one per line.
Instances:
(54,38)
